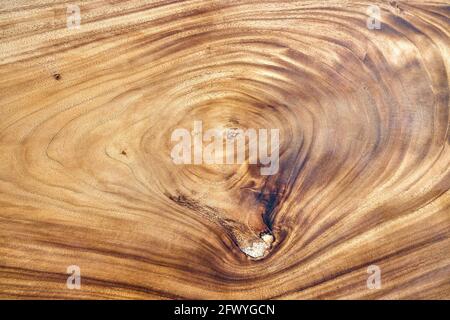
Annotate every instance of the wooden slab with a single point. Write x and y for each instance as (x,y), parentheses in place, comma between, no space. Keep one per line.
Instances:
(86,175)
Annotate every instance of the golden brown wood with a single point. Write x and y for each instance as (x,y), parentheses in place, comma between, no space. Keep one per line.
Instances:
(86,177)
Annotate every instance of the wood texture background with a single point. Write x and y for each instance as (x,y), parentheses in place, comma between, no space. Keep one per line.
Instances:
(86,177)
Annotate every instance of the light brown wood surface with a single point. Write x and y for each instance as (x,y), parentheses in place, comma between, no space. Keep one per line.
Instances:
(86,177)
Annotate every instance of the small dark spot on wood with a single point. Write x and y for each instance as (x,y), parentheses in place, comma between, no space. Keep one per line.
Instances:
(395,5)
(57,76)
(123,152)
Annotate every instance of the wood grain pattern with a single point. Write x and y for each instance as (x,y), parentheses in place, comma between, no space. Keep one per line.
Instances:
(85,171)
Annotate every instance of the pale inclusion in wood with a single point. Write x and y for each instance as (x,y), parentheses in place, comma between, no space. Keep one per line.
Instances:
(259,249)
